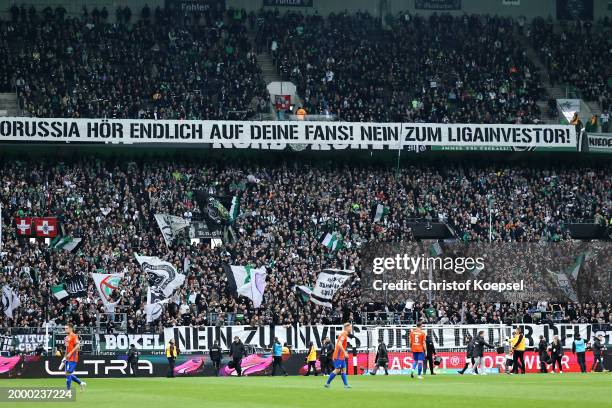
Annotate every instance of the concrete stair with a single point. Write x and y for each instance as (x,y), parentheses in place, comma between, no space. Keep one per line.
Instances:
(9,105)
(268,69)
(541,68)
(595,108)
(556,92)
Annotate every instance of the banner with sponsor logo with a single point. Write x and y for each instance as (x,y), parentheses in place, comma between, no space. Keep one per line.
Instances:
(86,341)
(437,4)
(147,342)
(451,362)
(99,366)
(279,135)
(600,142)
(23,343)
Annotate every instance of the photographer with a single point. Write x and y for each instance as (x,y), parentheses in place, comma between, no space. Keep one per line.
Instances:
(215,356)
(429,358)
(469,355)
(598,348)
(542,354)
(325,356)
(133,356)
(382,357)
(236,352)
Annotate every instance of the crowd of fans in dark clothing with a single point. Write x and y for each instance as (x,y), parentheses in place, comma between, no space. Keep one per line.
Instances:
(464,69)
(159,66)
(110,204)
(444,312)
(577,54)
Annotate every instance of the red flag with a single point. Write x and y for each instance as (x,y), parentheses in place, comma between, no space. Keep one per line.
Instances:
(24,225)
(45,226)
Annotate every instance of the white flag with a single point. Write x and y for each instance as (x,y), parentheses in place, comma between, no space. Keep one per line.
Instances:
(162,276)
(328,283)
(163,279)
(106,283)
(247,281)
(170,225)
(10,301)
(153,308)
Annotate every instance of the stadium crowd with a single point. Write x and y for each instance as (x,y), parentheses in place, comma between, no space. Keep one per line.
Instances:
(464,69)
(159,64)
(286,207)
(578,54)
(444,312)
(162,65)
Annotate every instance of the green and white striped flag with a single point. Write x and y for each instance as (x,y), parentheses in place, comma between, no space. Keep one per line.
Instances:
(435,249)
(59,291)
(379,212)
(332,241)
(574,270)
(234,209)
(66,243)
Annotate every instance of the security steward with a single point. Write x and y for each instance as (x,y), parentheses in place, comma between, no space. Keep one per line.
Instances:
(171,355)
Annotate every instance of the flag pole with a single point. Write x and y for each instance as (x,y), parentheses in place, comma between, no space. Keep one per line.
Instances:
(0,226)
(399,155)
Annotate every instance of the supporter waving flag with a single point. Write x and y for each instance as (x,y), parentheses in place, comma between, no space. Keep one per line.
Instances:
(163,280)
(328,283)
(332,241)
(170,226)
(247,281)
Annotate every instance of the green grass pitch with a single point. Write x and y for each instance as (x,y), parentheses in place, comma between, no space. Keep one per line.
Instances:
(524,391)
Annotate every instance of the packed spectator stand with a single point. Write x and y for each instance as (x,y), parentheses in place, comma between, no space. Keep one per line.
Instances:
(160,66)
(157,65)
(110,204)
(442,69)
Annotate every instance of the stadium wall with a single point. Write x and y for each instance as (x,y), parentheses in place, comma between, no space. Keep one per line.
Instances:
(527,8)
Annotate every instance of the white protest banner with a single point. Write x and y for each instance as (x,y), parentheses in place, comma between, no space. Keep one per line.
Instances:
(197,339)
(278,135)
